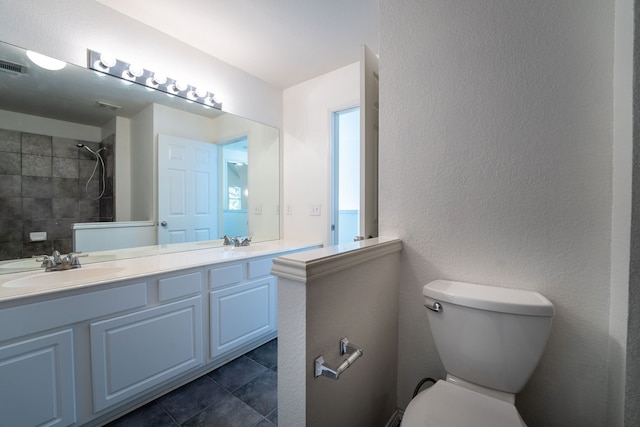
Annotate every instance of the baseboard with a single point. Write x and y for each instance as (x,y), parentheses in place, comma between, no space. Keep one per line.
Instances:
(395,419)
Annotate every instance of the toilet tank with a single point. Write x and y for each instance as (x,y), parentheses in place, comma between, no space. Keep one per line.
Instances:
(488,335)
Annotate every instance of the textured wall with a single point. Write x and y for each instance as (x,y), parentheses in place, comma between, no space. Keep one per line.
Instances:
(495,144)
(323,296)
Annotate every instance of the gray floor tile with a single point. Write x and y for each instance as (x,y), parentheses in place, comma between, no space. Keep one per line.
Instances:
(241,393)
(266,354)
(273,417)
(186,401)
(150,415)
(228,412)
(237,373)
(260,393)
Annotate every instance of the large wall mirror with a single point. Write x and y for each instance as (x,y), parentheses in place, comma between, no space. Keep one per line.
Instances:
(79,156)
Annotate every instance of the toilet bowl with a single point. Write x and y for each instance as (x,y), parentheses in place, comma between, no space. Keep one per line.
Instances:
(447,405)
(490,340)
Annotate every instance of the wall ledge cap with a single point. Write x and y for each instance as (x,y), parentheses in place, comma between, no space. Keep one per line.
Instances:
(314,264)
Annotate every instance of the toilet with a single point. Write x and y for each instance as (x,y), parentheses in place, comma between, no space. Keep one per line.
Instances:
(490,340)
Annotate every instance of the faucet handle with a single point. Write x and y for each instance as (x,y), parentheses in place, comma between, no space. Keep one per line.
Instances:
(72,258)
(47,262)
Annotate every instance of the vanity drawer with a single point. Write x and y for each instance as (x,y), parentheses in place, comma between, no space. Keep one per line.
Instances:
(179,286)
(227,275)
(260,268)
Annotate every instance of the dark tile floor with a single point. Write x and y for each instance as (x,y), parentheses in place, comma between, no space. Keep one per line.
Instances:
(241,393)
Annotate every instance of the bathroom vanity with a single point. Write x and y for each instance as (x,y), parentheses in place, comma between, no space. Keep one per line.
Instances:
(81,347)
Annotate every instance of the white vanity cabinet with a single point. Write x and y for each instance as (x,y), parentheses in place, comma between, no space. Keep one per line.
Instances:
(243,305)
(135,352)
(90,353)
(37,381)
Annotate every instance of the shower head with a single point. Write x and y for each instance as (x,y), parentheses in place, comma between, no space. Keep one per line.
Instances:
(95,153)
(80,145)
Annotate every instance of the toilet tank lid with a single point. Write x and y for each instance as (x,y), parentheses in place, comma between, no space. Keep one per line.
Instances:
(491,298)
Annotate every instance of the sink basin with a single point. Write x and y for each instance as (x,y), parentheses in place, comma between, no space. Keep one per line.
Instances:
(54,278)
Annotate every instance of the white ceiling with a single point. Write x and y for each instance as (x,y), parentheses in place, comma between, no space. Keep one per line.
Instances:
(283,42)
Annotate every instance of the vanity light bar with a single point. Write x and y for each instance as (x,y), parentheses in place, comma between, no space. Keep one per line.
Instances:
(131,72)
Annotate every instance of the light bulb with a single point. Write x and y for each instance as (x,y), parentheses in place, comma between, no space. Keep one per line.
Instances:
(133,72)
(105,62)
(156,80)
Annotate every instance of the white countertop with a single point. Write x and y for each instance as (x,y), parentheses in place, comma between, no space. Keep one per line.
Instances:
(154,261)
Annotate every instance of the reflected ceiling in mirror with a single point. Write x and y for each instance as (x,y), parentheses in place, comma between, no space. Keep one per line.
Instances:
(76,96)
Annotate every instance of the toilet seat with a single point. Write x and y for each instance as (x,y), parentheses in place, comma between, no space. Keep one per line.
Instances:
(448,405)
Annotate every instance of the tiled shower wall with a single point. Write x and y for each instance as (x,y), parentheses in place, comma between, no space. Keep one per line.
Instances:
(42,188)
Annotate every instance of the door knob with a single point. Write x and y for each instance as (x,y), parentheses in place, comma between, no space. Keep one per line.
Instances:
(163,223)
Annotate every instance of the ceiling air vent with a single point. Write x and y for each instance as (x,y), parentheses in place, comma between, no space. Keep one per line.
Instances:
(106,106)
(11,67)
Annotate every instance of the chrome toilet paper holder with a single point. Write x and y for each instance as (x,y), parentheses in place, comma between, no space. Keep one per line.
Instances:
(346,347)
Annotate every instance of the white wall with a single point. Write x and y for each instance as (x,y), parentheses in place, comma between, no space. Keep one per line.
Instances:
(27,123)
(496,167)
(65,29)
(306,141)
(264,172)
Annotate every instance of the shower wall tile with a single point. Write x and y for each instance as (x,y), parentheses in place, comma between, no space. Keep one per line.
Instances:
(37,208)
(65,188)
(10,141)
(10,185)
(65,168)
(10,207)
(42,188)
(85,169)
(61,229)
(65,208)
(32,249)
(10,231)
(12,250)
(36,144)
(10,163)
(33,165)
(106,209)
(65,147)
(36,186)
(89,210)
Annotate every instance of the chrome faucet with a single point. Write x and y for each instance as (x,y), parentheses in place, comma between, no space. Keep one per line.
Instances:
(236,241)
(57,262)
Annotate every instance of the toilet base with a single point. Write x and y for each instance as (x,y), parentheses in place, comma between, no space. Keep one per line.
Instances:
(451,405)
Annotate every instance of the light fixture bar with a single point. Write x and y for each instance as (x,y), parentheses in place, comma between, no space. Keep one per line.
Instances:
(134,73)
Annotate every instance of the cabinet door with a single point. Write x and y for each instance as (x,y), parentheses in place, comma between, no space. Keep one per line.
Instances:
(37,381)
(242,313)
(135,352)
